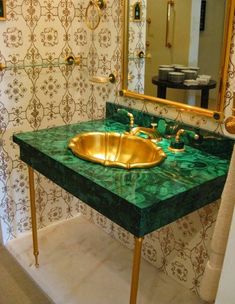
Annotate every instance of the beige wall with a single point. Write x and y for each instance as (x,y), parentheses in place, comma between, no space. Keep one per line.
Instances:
(210,42)
(179,30)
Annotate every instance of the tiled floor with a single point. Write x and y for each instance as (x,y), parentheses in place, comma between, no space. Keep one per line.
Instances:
(81,264)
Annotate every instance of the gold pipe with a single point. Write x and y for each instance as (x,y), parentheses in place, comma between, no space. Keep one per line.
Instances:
(136,269)
(33,214)
(169,103)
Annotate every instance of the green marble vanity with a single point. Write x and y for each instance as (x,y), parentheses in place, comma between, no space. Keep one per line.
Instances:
(139,200)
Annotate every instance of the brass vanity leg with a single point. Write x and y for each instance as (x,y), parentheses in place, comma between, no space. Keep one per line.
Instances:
(136,269)
(33,215)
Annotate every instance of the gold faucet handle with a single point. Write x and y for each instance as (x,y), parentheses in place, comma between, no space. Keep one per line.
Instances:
(154,125)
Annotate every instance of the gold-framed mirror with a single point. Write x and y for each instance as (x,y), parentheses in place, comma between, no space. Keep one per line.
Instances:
(2,9)
(192,33)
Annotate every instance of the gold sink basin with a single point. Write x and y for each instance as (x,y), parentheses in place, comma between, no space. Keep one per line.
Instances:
(116,150)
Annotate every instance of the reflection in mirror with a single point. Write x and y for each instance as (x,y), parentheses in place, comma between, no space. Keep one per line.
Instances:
(171,38)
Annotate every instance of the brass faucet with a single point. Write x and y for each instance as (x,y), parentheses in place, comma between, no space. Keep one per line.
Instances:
(178,134)
(177,143)
(152,133)
(130,115)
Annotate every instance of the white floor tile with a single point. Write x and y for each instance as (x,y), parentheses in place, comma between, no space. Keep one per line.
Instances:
(80,264)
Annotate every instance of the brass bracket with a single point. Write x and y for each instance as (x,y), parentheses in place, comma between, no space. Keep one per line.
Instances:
(70,60)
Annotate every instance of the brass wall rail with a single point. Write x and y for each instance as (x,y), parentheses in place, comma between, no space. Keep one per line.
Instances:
(170,5)
(70,60)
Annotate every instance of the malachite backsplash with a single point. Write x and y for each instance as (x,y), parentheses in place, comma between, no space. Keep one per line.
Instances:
(31,99)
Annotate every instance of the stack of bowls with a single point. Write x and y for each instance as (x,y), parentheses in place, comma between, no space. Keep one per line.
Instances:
(163,73)
(197,69)
(179,68)
(176,77)
(177,73)
(165,66)
(189,74)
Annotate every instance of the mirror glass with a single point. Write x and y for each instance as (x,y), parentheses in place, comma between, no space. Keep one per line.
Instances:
(175,49)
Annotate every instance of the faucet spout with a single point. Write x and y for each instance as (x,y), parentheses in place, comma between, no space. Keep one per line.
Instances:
(130,115)
(152,133)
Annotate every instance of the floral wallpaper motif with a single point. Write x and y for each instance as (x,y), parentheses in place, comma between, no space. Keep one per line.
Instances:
(13,37)
(39,91)
(49,37)
(15,90)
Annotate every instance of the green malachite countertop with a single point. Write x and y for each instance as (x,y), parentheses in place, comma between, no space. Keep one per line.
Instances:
(139,200)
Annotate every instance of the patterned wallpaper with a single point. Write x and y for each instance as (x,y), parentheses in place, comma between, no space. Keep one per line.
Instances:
(43,33)
(137,38)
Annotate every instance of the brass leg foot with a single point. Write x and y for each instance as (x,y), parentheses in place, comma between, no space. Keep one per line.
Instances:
(136,270)
(36,264)
(36,259)
(33,215)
